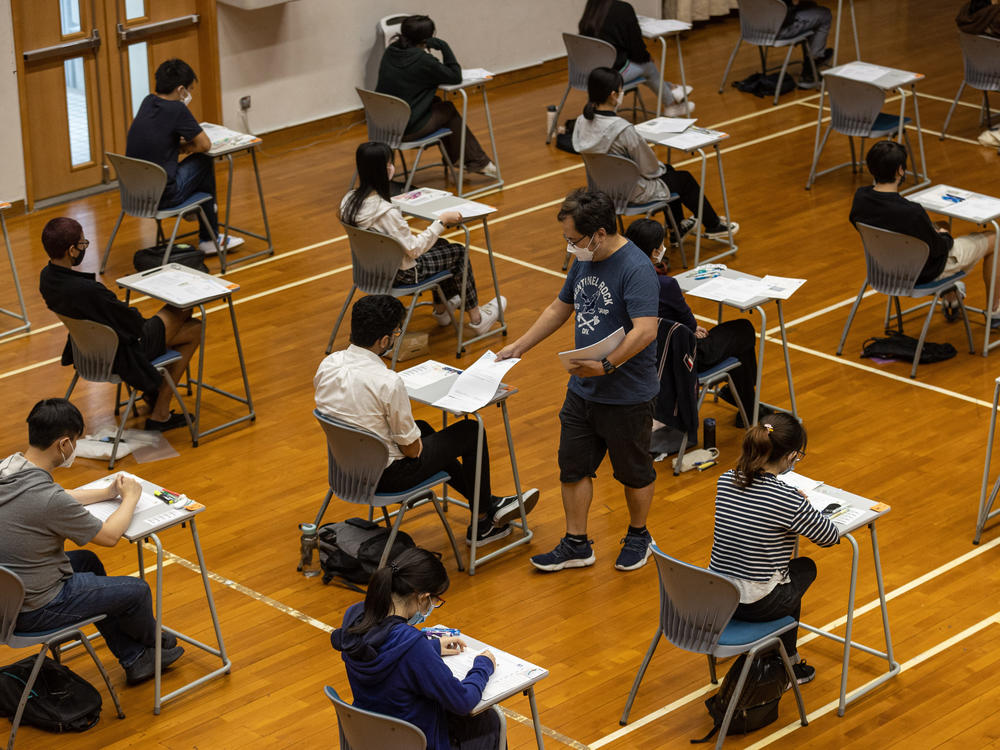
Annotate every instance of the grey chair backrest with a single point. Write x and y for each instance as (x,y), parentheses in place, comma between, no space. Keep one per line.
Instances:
(390,25)
(614,175)
(367,730)
(375,258)
(583,54)
(695,604)
(140,185)
(894,260)
(854,105)
(11,598)
(760,20)
(386,116)
(94,347)
(982,61)
(357,459)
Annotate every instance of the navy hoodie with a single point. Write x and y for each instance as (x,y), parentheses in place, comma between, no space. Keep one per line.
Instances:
(396,670)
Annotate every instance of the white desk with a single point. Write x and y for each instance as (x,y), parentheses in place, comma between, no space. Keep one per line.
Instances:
(986,504)
(696,140)
(871,512)
(427,395)
(151,517)
(225,144)
(429,212)
(161,283)
(474,83)
(511,676)
(688,284)
(661,30)
(979,209)
(890,79)
(23,315)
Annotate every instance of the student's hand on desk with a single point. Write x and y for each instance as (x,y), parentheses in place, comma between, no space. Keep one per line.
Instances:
(451,645)
(129,488)
(586,368)
(490,656)
(700,333)
(450,218)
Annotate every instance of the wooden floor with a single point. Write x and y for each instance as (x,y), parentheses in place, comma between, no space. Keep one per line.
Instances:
(917,445)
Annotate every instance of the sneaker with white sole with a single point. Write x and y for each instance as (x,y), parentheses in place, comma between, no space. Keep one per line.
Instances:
(486,532)
(567,554)
(678,110)
(803,672)
(722,232)
(679,92)
(636,550)
(208,247)
(490,170)
(490,313)
(508,510)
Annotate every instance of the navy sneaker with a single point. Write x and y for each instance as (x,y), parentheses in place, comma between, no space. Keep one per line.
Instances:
(486,532)
(567,554)
(636,550)
(507,508)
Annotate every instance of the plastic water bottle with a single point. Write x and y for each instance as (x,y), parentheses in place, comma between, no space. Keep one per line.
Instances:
(308,545)
(708,433)
(550,118)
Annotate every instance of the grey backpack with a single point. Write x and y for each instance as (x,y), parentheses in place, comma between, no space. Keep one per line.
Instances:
(350,550)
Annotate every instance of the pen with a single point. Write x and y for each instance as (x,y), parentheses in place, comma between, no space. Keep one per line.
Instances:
(150,272)
(439,631)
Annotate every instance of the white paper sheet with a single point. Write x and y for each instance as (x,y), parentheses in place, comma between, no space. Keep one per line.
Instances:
(691,139)
(510,674)
(961,203)
(181,288)
(105,508)
(799,482)
(475,74)
(861,71)
(223,138)
(653,27)
(722,289)
(468,210)
(474,388)
(597,351)
(665,125)
(420,196)
(426,373)
(781,287)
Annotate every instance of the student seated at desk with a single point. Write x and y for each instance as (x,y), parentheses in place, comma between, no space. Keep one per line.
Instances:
(599,130)
(979,17)
(164,128)
(757,520)
(396,670)
(880,205)
(369,207)
(354,385)
(615,22)
(409,71)
(733,338)
(802,16)
(78,294)
(37,516)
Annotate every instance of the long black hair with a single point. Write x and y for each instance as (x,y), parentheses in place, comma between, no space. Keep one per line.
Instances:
(372,160)
(415,571)
(594,15)
(600,84)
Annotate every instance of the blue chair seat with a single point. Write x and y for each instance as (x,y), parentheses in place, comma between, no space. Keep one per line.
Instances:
(885,124)
(398,497)
(720,367)
(437,134)
(170,355)
(407,288)
(742,633)
(935,283)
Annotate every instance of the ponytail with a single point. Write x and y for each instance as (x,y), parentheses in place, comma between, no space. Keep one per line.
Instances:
(601,83)
(414,571)
(774,436)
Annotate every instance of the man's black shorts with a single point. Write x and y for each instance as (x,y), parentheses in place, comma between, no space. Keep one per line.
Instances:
(154,338)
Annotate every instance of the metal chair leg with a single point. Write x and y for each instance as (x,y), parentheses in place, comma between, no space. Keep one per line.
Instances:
(729,65)
(639,675)
(111,239)
(781,75)
(951,110)
(340,318)
(850,317)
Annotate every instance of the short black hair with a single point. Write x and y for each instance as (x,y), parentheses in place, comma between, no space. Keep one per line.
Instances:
(591,210)
(415,30)
(373,317)
(59,235)
(884,160)
(52,419)
(173,73)
(646,234)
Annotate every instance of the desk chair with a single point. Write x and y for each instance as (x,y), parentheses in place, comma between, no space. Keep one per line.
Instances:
(707,381)
(375,258)
(760,22)
(11,600)
(387,117)
(94,348)
(856,110)
(356,460)
(140,186)
(617,177)
(894,262)
(367,730)
(696,615)
(583,54)
(981,55)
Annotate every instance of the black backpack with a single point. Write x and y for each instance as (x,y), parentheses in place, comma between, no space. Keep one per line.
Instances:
(186,255)
(757,705)
(897,345)
(60,700)
(764,85)
(350,550)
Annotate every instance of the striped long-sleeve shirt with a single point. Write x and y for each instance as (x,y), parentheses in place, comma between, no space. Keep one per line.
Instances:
(755,531)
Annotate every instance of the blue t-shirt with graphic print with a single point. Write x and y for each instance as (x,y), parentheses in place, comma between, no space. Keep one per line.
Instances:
(608,295)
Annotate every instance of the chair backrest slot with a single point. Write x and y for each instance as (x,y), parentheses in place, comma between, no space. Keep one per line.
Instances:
(387,117)
(94,347)
(140,184)
(894,260)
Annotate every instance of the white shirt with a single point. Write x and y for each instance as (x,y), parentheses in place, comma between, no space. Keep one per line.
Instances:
(354,385)
(385,217)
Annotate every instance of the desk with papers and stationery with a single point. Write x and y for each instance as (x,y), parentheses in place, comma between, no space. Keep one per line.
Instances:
(474,78)
(185,287)
(662,29)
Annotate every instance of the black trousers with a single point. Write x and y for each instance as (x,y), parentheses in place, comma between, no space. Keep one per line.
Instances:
(786,599)
(479,732)
(444,115)
(686,186)
(453,450)
(733,338)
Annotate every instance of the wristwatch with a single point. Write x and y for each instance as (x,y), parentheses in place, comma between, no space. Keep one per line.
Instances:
(608,367)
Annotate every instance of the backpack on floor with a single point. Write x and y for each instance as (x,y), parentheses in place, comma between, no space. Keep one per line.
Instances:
(757,705)
(350,550)
(764,85)
(60,700)
(186,255)
(897,345)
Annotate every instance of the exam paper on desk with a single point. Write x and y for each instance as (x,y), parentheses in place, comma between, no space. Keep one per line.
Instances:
(477,385)
(180,287)
(510,672)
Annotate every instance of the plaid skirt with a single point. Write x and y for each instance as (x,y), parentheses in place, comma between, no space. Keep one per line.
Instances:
(443,256)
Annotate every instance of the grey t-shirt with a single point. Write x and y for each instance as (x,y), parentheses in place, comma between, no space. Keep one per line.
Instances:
(36,517)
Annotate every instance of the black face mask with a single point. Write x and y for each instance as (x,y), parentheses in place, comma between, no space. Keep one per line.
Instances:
(79,258)
(392,344)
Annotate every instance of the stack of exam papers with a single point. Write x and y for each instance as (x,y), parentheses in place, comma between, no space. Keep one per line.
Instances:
(652,27)
(743,290)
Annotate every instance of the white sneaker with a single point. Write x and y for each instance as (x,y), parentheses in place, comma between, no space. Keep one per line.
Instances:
(208,247)
(490,312)
(680,91)
(723,232)
(445,318)
(678,110)
(490,170)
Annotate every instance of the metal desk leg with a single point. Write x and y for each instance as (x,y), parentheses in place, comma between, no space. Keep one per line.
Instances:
(23,316)
(201,377)
(663,74)
(463,343)
(699,225)
(680,66)
(462,192)
(263,208)
(725,202)
(269,250)
(229,200)
(530,692)
(243,362)
(836,35)
(474,510)
(461,141)
(460,346)
(819,128)
(158,599)
(788,363)
(850,623)
(877,560)
(993,282)
(920,179)
(985,505)
(760,363)
(513,468)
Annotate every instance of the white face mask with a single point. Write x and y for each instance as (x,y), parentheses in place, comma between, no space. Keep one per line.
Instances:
(658,255)
(67,460)
(581,253)
(186,98)
(391,169)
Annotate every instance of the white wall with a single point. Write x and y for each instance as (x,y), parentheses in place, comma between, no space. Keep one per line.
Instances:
(301,61)
(12,187)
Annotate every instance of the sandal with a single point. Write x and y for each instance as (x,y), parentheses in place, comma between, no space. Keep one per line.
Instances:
(950,308)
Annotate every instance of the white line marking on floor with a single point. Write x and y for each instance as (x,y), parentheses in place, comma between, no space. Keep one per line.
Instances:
(829,308)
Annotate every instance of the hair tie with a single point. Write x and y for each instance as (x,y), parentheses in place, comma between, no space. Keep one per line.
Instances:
(770,429)
(393,568)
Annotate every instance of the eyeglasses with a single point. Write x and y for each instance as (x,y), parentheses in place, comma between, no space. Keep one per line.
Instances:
(82,244)
(799,455)
(436,601)
(575,243)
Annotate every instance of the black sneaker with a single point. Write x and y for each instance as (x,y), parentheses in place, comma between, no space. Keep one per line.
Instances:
(809,80)
(170,423)
(567,554)
(508,510)
(486,532)
(803,672)
(144,667)
(636,550)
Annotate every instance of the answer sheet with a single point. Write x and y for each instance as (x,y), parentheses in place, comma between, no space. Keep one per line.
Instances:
(477,385)
(596,351)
